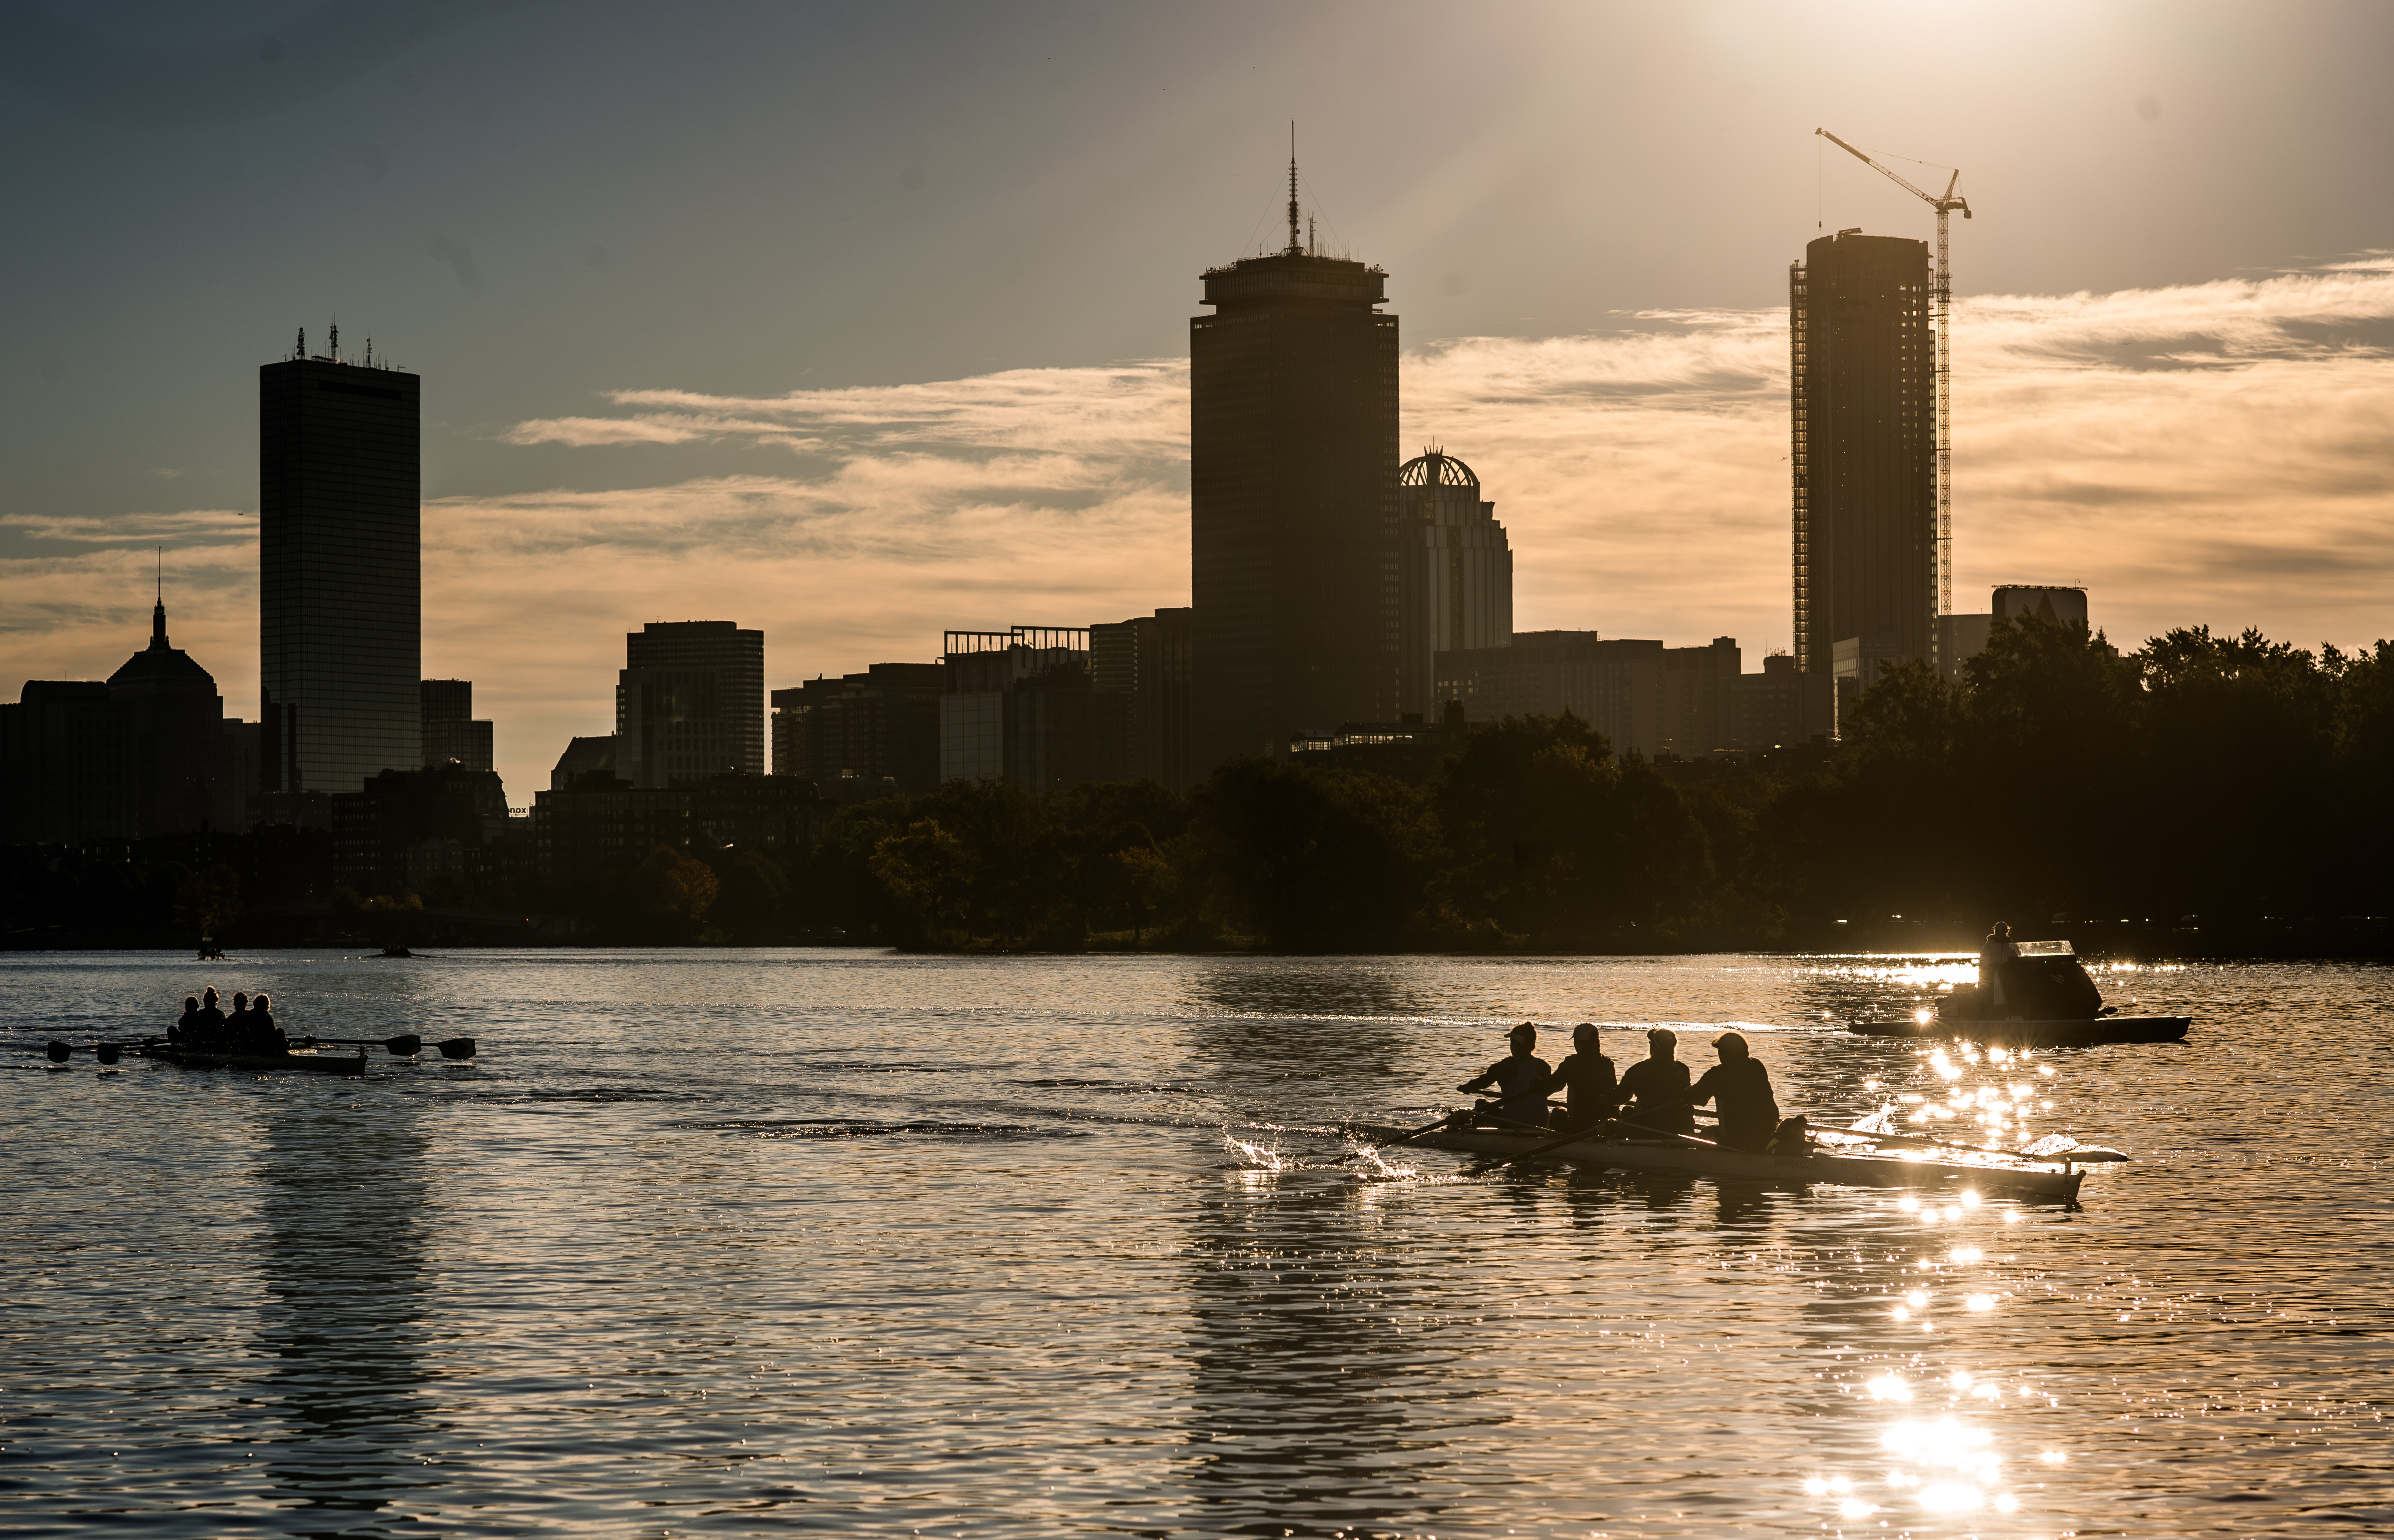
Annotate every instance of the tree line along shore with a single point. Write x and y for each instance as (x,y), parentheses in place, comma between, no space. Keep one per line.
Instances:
(2203,795)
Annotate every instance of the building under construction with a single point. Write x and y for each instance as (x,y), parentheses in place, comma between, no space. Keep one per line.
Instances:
(1863,370)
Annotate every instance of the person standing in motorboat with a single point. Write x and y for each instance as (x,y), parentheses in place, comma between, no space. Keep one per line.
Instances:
(1996,954)
(1520,1080)
(1656,1089)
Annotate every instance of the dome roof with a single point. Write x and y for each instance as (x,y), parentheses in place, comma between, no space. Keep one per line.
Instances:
(1433,468)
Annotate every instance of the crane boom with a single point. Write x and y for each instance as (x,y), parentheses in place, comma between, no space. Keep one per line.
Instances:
(1883,171)
(1941,304)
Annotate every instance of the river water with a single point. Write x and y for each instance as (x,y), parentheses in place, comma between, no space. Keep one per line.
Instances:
(715,1243)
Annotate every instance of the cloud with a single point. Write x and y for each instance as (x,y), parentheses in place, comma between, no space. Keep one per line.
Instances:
(2219,453)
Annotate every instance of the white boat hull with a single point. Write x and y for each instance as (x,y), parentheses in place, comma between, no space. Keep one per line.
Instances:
(1990,1175)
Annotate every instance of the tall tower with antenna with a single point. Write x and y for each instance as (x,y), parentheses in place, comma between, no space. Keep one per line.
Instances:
(340,574)
(1296,559)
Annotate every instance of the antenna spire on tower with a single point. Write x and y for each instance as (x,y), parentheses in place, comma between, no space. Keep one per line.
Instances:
(1296,247)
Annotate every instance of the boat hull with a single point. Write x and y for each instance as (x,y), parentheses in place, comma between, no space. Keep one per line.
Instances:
(2050,1182)
(260,1063)
(2038,1034)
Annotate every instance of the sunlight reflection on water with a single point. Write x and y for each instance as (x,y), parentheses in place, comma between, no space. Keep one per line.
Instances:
(1025,1247)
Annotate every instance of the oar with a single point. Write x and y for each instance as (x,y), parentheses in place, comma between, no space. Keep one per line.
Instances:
(107,1053)
(2076,1151)
(1573,1138)
(405,1044)
(1407,1137)
(1410,1135)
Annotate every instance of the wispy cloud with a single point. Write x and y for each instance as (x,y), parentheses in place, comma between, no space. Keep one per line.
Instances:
(2219,453)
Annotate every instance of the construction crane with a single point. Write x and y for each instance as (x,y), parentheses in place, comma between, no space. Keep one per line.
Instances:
(1940,304)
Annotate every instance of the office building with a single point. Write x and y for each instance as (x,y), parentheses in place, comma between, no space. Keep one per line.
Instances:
(1295,570)
(690,703)
(404,829)
(1021,706)
(594,830)
(2054,606)
(1699,715)
(862,734)
(1615,687)
(1457,574)
(1148,661)
(340,573)
(1964,637)
(584,757)
(146,753)
(1864,420)
(1767,709)
(451,735)
(1644,697)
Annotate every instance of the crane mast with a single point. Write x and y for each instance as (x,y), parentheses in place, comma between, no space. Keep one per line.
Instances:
(1940,310)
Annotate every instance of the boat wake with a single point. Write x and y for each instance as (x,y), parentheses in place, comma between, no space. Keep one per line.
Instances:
(852,1128)
(1362,1162)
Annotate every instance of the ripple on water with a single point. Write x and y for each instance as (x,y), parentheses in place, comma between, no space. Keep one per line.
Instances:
(1077,1246)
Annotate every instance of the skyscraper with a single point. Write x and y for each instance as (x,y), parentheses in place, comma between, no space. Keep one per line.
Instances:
(1293,514)
(1146,659)
(689,703)
(451,730)
(1458,574)
(340,573)
(1865,405)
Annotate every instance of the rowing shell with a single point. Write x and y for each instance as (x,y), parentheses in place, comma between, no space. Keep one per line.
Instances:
(2051,1180)
(318,1063)
(2038,1034)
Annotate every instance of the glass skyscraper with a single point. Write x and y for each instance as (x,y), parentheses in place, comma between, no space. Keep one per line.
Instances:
(340,574)
(690,703)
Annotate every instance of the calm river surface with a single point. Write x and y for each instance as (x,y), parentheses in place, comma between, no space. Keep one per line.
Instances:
(730,1243)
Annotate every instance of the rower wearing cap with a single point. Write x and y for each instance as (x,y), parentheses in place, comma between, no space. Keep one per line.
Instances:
(1521,1079)
(1656,1089)
(1739,1087)
(1588,1075)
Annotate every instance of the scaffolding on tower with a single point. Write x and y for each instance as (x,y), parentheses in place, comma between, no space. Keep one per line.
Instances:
(1941,304)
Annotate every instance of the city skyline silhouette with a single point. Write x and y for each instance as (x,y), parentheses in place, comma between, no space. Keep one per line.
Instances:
(973,411)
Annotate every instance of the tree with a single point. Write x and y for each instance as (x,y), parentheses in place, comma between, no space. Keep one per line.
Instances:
(1553,840)
(1311,860)
(208,903)
(926,871)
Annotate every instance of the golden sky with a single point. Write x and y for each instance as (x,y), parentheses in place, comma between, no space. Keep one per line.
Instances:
(860,324)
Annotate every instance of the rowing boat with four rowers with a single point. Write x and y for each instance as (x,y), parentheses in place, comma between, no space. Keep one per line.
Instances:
(1656,1132)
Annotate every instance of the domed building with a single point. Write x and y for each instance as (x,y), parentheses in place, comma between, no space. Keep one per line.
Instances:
(146,753)
(1457,572)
